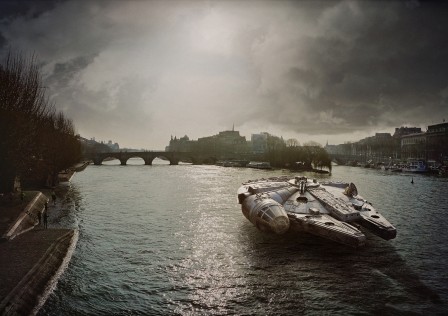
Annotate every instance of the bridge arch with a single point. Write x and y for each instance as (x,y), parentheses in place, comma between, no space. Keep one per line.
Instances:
(209,160)
(135,156)
(148,157)
(100,160)
(165,158)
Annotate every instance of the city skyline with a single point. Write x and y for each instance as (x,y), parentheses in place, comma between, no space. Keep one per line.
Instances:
(138,72)
(418,130)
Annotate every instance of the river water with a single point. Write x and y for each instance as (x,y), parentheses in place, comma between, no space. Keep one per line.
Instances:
(172,240)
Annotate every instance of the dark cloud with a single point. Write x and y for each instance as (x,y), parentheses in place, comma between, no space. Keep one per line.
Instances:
(12,9)
(296,67)
(368,64)
(2,41)
(64,72)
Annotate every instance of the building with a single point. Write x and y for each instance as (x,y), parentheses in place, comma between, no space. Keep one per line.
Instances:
(379,148)
(413,146)
(113,146)
(402,131)
(437,143)
(224,144)
(91,145)
(382,147)
(228,144)
(182,144)
(259,143)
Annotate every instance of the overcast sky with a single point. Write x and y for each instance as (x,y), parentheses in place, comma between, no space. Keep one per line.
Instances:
(137,72)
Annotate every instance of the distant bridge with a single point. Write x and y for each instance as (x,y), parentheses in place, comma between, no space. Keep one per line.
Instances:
(149,156)
(345,158)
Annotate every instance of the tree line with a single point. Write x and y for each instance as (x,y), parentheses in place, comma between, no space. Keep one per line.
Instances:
(303,158)
(36,141)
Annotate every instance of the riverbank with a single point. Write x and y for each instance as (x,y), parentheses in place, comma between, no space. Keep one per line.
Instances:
(32,257)
(66,175)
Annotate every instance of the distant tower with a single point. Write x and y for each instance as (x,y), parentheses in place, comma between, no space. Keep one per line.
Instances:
(233,127)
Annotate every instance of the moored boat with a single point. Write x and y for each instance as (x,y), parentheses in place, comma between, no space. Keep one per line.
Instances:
(65,176)
(396,168)
(415,166)
(80,166)
(259,165)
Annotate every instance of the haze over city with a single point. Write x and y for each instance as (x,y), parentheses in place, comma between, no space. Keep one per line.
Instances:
(138,72)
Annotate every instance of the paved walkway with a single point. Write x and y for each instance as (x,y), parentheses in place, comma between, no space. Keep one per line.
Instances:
(19,255)
(10,209)
(29,261)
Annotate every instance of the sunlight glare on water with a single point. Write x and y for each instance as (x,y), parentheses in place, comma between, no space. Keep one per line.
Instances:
(166,240)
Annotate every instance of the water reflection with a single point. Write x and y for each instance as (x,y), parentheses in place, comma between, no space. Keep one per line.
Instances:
(111,162)
(173,240)
(322,276)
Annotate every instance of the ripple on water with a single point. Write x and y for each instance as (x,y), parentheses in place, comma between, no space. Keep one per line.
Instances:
(172,240)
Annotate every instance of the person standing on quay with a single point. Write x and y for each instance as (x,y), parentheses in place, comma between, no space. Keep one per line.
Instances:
(45,219)
(53,197)
(45,211)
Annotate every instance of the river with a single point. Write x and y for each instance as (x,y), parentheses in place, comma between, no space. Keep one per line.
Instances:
(172,240)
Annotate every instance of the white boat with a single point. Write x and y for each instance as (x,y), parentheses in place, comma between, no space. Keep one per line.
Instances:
(234,163)
(259,165)
(416,166)
(329,210)
(396,168)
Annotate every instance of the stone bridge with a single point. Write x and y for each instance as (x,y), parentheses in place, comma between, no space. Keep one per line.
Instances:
(345,158)
(149,156)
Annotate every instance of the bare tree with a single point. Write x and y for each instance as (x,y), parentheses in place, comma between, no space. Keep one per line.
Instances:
(312,143)
(292,142)
(26,116)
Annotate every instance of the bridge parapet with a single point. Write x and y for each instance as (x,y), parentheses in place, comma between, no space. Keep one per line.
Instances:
(173,157)
(147,156)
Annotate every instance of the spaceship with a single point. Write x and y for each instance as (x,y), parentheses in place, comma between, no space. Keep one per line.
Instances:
(331,210)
